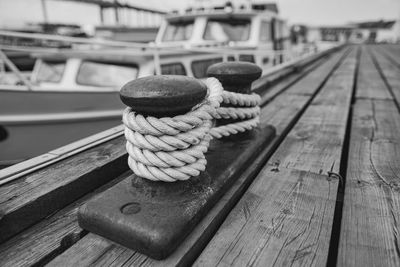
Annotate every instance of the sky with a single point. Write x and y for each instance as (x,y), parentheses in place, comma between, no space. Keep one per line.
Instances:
(310,12)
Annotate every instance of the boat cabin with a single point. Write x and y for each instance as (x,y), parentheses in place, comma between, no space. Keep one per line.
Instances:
(108,70)
(245,26)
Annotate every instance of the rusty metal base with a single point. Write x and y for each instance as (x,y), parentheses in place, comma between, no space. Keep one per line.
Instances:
(155,217)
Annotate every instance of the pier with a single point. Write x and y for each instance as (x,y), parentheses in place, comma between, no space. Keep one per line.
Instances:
(323,191)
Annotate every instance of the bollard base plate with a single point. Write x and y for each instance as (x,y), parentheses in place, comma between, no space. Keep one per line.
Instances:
(155,217)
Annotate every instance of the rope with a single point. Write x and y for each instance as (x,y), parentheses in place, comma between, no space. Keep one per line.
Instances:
(170,149)
(248,112)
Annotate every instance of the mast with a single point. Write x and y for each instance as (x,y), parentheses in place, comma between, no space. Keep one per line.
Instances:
(44,10)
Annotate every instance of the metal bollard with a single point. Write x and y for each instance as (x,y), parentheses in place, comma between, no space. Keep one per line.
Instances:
(154,217)
(235,77)
(163,96)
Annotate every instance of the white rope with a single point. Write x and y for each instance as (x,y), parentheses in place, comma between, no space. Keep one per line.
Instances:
(171,149)
(248,112)
(238,99)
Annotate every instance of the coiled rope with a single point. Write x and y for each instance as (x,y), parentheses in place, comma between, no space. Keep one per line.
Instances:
(248,112)
(171,149)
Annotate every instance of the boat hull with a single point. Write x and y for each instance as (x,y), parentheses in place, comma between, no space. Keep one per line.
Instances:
(35,122)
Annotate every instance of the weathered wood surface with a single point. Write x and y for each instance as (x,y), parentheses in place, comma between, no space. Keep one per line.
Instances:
(102,251)
(286,215)
(302,85)
(371,213)
(392,52)
(54,234)
(369,80)
(371,210)
(389,71)
(89,170)
(33,197)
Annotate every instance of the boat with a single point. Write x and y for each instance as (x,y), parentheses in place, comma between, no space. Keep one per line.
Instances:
(73,92)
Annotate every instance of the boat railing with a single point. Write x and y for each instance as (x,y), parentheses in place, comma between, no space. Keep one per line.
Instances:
(5,60)
(134,46)
(109,47)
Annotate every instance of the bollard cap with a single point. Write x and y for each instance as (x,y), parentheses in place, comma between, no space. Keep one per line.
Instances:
(235,72)
(163,95)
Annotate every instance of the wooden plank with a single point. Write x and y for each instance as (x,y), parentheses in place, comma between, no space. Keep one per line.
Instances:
(371,212)
(286,215)
(303,86)
(369,81)
(268,89)
(273,91)
(93,249)
(389,71)
(50,236)
(322,67)
(315,143)
(33,197)
(392,52)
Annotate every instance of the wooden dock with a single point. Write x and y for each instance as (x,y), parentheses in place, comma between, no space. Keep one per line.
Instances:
(325,192)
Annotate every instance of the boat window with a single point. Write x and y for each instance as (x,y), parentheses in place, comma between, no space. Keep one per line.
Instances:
(173,69)
(265,31)
(247,58)
(225,30)
(178,31)
(199,67)
(50,71)
(105,74)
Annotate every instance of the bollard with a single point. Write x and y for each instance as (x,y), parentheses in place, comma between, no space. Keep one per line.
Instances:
(240,108)
(235,76)
(154,217)
(167,125)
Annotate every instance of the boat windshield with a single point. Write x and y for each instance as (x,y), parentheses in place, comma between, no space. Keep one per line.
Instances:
(50,71)
(105,74)
(178,31)
(226,30)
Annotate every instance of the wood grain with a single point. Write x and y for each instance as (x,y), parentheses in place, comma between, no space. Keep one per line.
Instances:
(371,212)
(369,81)
(317,72)
(276,89)
(285,217)
(389,71)
(304,86)
(33,197)
(95,250)
(50,236)
(392,51)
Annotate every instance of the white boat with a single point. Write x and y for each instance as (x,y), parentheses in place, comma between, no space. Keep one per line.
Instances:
(73,93)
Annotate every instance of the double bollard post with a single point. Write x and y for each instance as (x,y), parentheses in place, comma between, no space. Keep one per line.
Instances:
(188,141)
